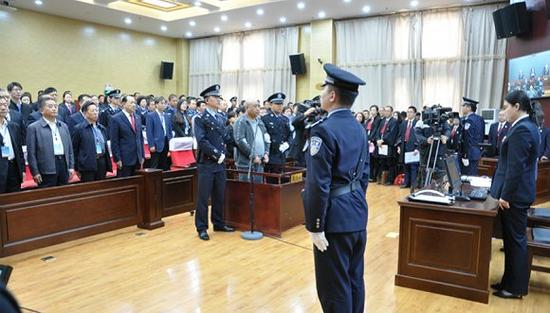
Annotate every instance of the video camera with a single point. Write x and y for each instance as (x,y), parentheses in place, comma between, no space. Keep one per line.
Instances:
(435,117)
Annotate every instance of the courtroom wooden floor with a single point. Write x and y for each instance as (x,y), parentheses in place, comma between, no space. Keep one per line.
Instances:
(170,270)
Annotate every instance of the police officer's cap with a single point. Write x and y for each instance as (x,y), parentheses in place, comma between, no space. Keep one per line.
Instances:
(469,102)
(341,78)
(213,90)
(115,93)
(233,99)
(277,98)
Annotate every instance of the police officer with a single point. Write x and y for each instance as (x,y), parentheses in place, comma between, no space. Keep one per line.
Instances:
(472,136)
(112,109)
(278,129)
(334,196)
(211,137)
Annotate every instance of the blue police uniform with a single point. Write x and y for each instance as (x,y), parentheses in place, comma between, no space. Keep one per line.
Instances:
(211,138)
(278,128)
(109,111)
(334,200)
(515,181)
(473,127)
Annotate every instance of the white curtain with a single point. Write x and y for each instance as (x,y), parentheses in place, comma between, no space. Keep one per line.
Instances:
(205,61)
(250,65)
(406,59)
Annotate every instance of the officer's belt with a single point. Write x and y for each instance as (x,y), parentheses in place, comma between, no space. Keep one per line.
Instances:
(342,190)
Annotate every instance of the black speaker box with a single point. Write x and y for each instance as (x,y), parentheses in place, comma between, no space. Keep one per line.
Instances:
(166,70)
(548,9)
(512,20)
(297,64)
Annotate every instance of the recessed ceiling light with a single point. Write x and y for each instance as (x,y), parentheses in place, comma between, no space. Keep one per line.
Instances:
(301,5)
(282,19)
(38,2)
(366,9)
(192,23)
(224,18)
(414,3)
(321,14)
(188,34)
(260,11)
(128,20)
(163,28)
(247,24)
(217,29)
(197,3)
(347,1)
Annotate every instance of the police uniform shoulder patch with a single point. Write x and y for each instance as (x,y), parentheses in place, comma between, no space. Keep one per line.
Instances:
(315,145)
(467,126)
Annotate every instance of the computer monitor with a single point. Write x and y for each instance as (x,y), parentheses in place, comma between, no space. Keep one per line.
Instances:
(453,174)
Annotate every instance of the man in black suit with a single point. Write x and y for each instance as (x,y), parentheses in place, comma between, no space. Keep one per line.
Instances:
(16,117)
(372,126)
(77,117)
(16,90)
(126,138)
(408,144)
(386,139)
(91,153)
(12,163)
(497,131)
(455,137)
(66,108)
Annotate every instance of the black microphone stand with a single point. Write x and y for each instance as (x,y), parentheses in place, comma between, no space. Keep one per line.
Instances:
(251,234)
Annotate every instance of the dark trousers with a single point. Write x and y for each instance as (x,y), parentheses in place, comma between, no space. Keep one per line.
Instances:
(389,164)
(516,269)
(339,273)
(159,160)
(11,182)
(127,170)
(211,183)
(374,167)
(410,174)
(471,169)
(60,178)
(101,173)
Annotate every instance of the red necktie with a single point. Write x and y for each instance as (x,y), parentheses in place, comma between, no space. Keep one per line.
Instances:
(384,128)
(498,133)
(133,122)
(453,132)
(369,125)
(408,132)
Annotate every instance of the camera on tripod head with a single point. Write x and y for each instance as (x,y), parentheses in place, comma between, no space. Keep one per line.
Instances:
(436,116)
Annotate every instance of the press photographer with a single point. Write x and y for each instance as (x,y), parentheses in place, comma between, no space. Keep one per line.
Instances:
(307,114)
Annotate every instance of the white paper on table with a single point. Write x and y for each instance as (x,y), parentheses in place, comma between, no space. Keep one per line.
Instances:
(480,182)
(412,157)
(383,150)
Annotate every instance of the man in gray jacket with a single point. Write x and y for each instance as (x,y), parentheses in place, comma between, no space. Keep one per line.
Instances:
(252,142)
(49,147)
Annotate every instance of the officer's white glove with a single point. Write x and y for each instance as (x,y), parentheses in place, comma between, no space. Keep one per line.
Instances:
(465,162)
(220,160)
(284,146)
(319,240)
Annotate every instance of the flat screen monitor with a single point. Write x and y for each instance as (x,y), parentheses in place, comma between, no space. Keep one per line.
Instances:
(530,73)
(453,173)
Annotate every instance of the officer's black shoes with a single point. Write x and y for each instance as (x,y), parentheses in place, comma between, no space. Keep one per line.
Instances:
(506,295)
(372,180)
(224,228)
(496,286)
(404,186)
(203,235)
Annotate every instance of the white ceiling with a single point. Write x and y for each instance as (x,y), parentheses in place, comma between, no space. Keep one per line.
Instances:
(206,21)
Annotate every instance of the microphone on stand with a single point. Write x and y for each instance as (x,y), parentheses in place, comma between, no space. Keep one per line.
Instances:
(251,234)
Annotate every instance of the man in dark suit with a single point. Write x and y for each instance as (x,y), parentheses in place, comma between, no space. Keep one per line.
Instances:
(209,130)
(372,126)
(77,117)
(50,91)
(408,144)
(66,108)
(49,147)
(386,139)
(335,208)
(514,185)
(16,117)
(126,138)
(159,133)
(12,162)
(16,90)
(497,131)
(278,129)
(92,160)
(455,137)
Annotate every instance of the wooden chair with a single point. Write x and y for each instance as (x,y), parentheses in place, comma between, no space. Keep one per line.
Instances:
(538,236)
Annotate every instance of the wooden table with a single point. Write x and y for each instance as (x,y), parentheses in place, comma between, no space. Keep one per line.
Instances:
(446,249)
(488,166)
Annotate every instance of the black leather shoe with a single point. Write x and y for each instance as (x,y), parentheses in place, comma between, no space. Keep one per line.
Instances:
(506,295)
(203,235)
(224,228)
(404,186)
(388,184)
(496,286)
(372,180)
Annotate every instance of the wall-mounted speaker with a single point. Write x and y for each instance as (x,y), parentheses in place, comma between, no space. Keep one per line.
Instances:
(166,70)
(512,20)
(297,64)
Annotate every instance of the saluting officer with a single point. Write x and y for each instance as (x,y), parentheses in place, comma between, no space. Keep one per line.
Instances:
(279,132)
(472,136)
(335,206)
(211,137)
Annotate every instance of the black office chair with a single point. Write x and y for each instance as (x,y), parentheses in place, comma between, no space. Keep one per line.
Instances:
(538,235)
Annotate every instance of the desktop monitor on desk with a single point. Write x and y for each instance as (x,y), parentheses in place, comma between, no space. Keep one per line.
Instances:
(453,175)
